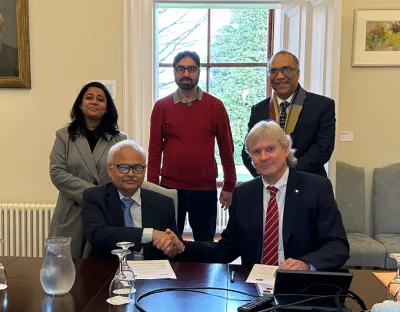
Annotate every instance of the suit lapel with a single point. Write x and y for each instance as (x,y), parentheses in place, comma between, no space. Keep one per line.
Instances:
(256,200)
(114,205)
(147,220)
(87,156)
(303,96)
(293,191)
(266,109)
(100,148)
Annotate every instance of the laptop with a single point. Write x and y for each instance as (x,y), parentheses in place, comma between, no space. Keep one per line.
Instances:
(294,286)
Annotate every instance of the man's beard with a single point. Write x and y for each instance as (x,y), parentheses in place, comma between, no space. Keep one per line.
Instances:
(187,86)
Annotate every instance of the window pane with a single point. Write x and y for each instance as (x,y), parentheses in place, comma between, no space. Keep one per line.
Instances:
(239,35)
(166,81)
(239,89)
(179,30)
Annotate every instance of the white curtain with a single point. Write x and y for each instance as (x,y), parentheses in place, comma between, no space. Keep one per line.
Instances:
(138,69)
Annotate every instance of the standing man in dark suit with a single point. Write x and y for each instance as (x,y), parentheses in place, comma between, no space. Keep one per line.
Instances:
(284,217)
(8,55)
(123,211)
(307,117)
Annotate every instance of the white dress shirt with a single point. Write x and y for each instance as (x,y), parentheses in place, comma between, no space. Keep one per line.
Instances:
(136,213)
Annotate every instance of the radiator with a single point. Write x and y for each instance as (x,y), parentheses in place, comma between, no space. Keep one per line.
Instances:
(24,228)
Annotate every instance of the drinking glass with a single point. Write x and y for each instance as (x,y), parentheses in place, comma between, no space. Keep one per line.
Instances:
(120,287)
(396,279)
(3,275)
(126,269)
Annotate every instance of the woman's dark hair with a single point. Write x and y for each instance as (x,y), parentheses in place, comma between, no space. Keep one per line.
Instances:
(193,55)
(108,123)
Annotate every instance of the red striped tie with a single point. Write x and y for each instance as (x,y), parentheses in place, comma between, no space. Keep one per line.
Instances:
(271,231)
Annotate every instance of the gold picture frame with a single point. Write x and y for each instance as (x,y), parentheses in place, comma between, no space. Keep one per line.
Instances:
(376,37)
(14,30)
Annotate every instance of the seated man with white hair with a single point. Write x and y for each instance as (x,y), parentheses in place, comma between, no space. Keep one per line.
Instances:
(122,210)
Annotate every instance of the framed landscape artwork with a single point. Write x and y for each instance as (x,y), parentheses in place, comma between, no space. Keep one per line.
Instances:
(14,44)
(376,40)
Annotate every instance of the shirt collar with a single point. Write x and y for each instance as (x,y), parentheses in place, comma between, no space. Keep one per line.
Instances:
(282,182)
(136,197)
(289,99)
(178,98)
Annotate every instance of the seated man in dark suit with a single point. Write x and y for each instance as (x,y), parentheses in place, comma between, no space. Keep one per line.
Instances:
(284,217)
(123,211)
(307,117)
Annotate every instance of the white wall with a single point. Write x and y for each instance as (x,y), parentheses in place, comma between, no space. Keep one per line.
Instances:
(71,42)
(369,103)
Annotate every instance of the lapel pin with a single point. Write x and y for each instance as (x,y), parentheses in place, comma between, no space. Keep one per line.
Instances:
(296,191)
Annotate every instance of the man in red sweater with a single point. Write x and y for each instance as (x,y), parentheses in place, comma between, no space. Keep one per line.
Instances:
(184,126)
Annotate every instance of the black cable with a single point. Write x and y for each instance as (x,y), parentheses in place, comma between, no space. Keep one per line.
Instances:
(189,289)
(352,295)
(311,299)
(339,294)
(198,291)
(347,293)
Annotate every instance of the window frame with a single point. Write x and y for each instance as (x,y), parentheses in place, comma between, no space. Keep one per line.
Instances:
(208,65)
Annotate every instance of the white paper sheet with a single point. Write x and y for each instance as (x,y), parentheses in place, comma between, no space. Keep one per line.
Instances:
(152,269)
(262,274)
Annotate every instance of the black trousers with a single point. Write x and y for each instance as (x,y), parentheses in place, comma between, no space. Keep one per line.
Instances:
(201,207)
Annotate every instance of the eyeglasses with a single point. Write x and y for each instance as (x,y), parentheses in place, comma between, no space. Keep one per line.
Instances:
(286,70)
(190,69)
(124,169)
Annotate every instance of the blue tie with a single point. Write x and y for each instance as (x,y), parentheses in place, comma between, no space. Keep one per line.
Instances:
(127,203)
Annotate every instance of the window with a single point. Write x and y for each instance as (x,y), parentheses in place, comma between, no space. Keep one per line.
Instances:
(233,46)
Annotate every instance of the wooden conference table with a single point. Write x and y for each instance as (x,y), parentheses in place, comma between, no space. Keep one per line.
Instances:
(90,290)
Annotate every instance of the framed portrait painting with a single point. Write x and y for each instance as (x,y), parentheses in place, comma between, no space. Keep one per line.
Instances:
(14,44)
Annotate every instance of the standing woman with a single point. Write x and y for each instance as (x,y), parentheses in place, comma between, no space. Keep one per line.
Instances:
(78,159)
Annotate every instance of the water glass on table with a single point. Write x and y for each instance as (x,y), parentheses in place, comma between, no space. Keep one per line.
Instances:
(126,269)
(120,286)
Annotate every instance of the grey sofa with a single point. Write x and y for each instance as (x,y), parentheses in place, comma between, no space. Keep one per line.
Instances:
(350,196)
(386,209)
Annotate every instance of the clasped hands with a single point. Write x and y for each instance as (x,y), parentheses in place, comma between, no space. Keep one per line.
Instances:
(167,242)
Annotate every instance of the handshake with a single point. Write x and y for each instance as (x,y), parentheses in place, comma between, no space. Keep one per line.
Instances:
(167,242)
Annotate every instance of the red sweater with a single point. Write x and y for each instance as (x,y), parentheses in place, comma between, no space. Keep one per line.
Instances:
(185,137)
